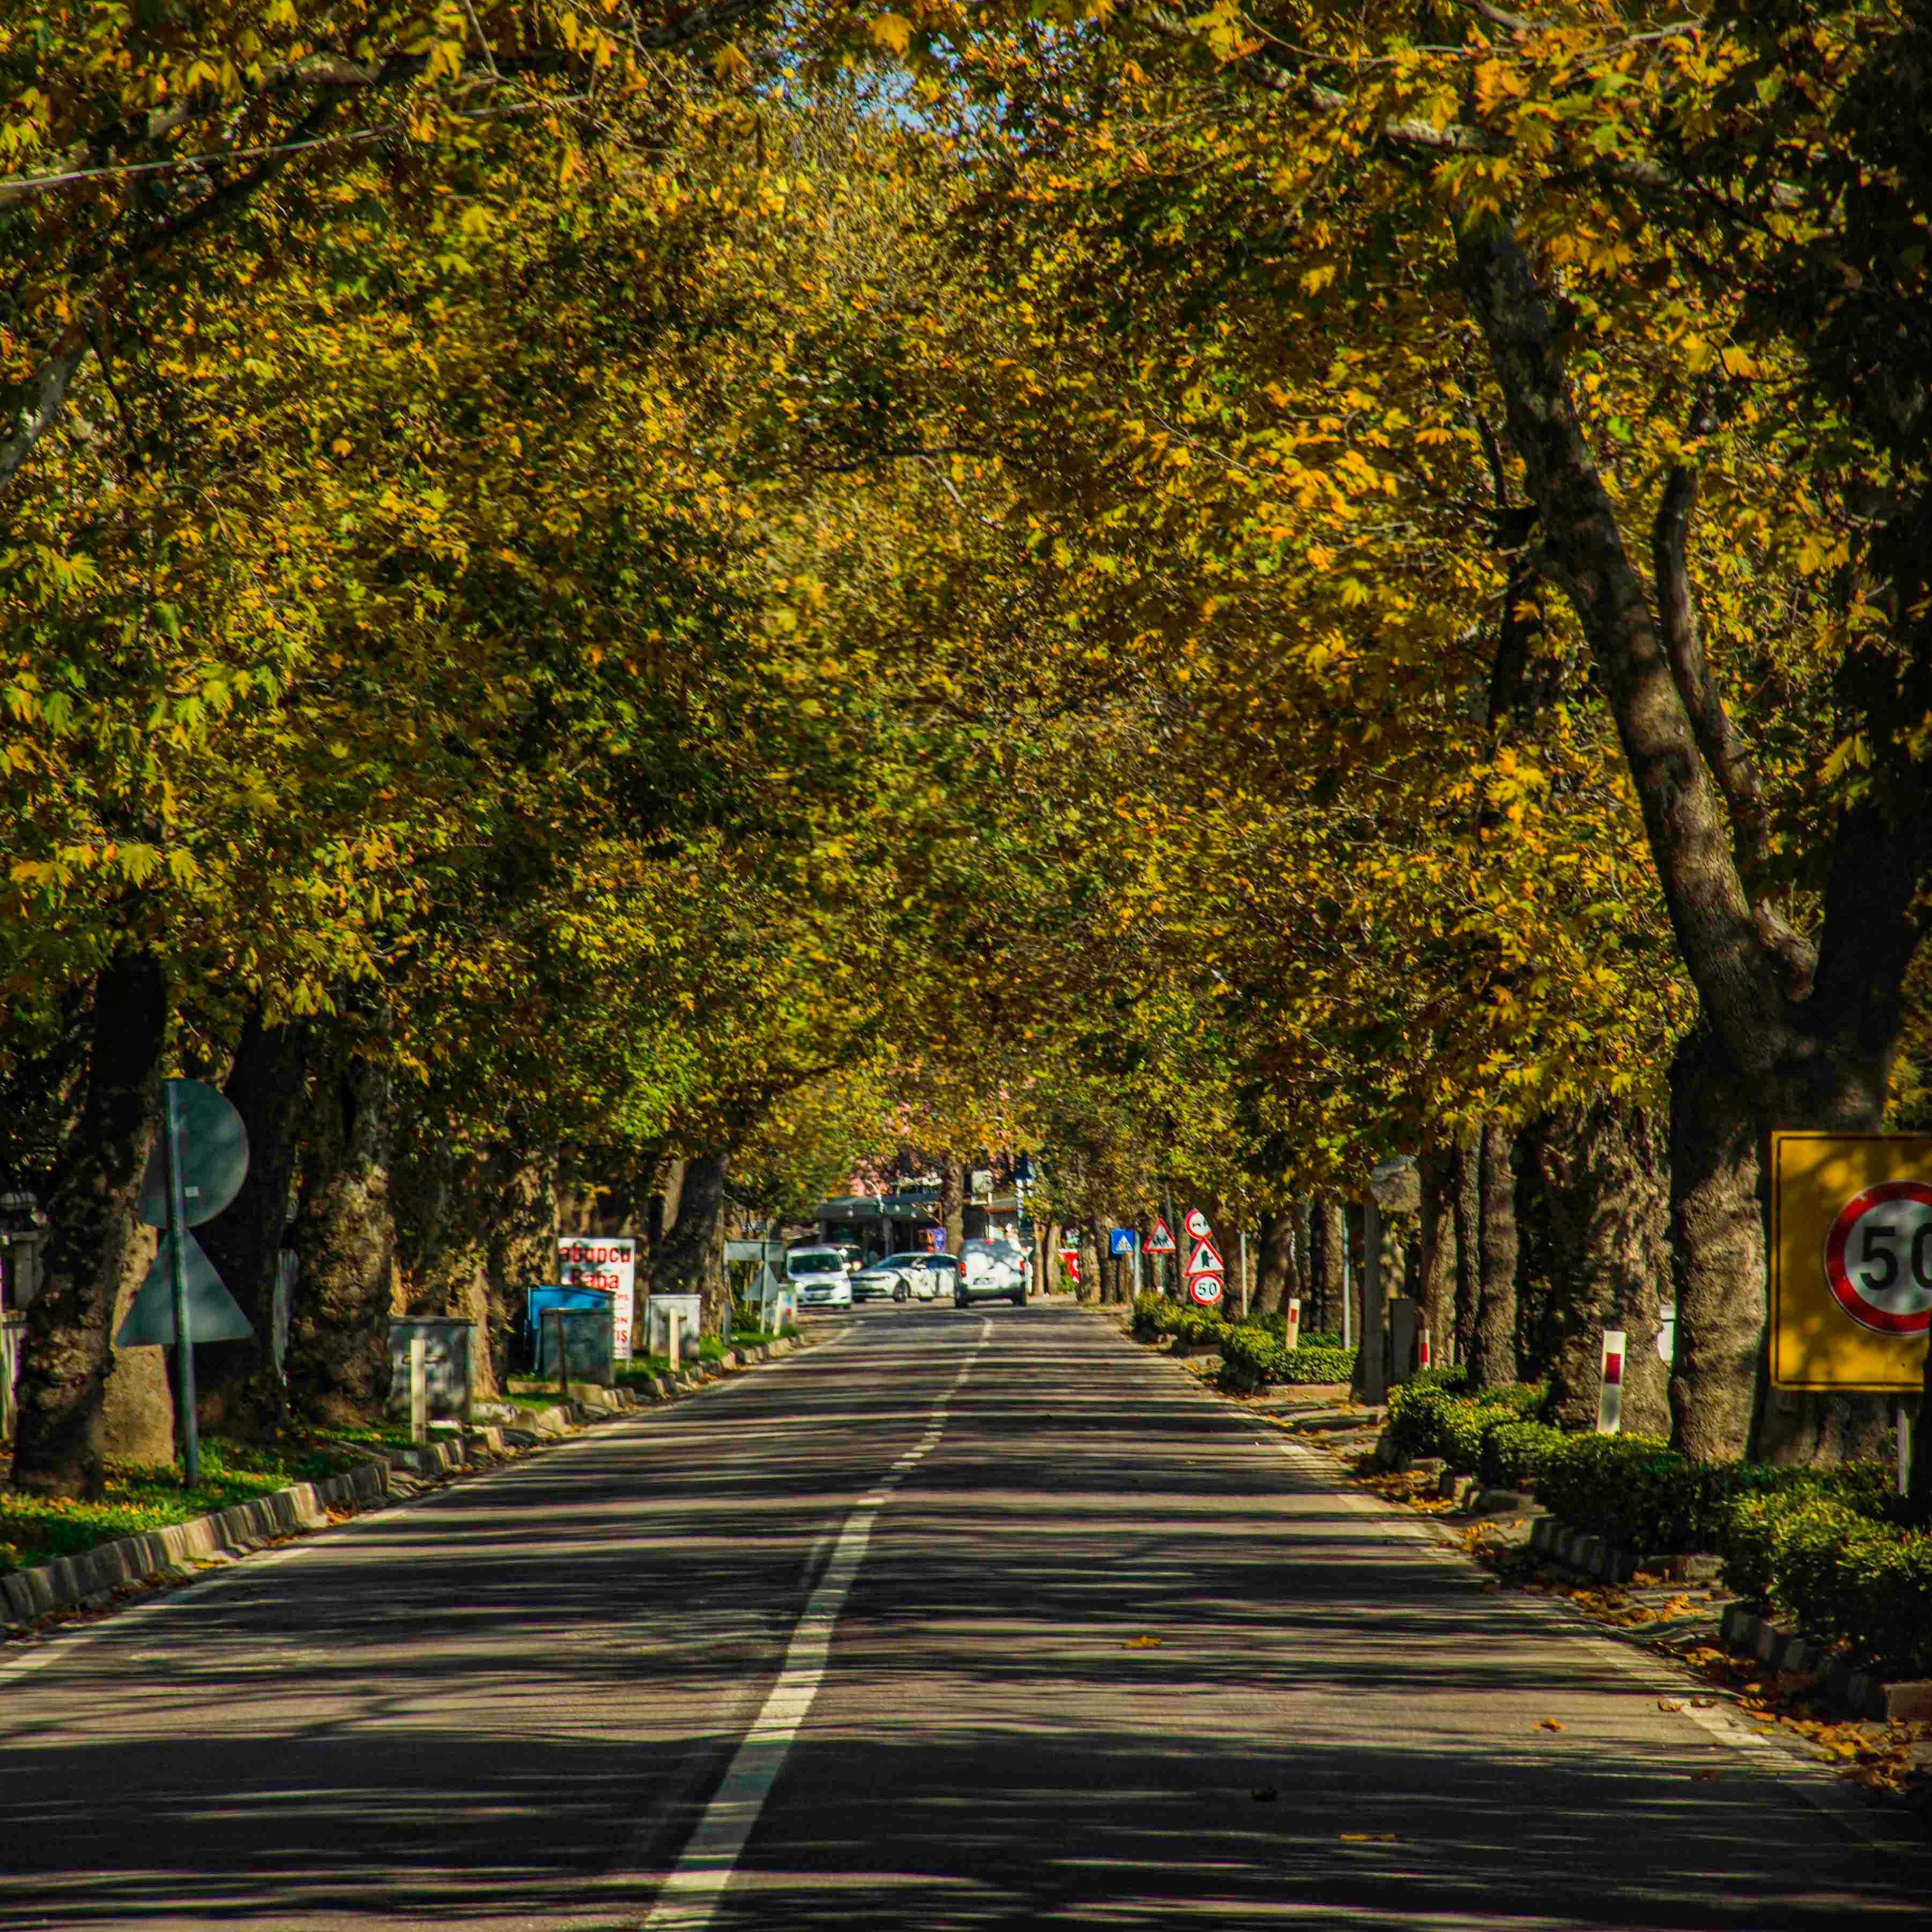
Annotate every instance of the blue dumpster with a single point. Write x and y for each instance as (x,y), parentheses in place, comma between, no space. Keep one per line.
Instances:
(588,1342)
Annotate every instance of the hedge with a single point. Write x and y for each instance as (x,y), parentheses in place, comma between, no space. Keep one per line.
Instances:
(1259,1339)
(1841,1575)
(1636,1491)
(1428,1418)
(1156,1314)
(1254,1356)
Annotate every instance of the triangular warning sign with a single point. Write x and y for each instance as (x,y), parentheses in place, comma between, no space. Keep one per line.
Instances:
(1161,1241)
(213,1314)
(1204,1260)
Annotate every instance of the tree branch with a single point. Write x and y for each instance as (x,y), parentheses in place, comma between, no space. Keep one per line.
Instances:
(46,391)
(1724,752)
(1743,983)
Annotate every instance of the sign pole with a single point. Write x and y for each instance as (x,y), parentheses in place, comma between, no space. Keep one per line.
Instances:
(178,1281)
(1904,1425)
(1244,1274)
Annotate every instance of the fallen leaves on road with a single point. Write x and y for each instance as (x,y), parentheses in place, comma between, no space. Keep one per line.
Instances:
(1368,1838)
(1141,1643)
(1551,1724)
(1670,1703)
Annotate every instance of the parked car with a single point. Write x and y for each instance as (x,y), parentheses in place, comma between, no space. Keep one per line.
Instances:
(998,1283)
(820,1277)
(905,1277)
(881,1278)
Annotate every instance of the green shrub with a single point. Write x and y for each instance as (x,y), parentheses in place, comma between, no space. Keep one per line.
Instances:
(1156,1314)
(1840,1574)
(1256,1358)
(1428,1418)
(1639,1493)
(1513,1452)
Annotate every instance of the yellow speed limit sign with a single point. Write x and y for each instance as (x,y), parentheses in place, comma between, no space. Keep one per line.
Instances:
(1851,1261)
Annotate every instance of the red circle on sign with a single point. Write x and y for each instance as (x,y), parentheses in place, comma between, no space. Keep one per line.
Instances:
(1206,1289)
(1901,1257)
(1196,1223)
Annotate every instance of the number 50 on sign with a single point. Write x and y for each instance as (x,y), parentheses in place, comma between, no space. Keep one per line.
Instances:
(1851,1273)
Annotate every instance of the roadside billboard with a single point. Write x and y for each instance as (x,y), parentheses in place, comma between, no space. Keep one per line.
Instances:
(608,1261)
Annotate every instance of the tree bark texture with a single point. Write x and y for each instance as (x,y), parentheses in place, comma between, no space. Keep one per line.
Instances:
(338,1359)
(1273,1261)
(1492,1354)
(1328,1235)
(1436,1288)
(1467,1207)
(58,1445)
(239,1391)
(1717,1253)
(520,1242)
(952,1202)
(1090,1260)
(137,1411)
(692,1259)
(1604,1171)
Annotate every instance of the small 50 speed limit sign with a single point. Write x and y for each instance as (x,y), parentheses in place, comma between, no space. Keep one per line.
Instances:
(1878,1258)
(1851,1276)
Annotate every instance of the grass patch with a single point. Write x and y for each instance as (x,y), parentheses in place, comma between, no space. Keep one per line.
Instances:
(141,1498)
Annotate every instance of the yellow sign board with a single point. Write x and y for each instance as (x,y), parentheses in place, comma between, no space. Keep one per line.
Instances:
(1851,1261)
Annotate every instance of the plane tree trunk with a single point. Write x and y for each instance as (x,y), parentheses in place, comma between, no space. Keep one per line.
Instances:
(68,1344)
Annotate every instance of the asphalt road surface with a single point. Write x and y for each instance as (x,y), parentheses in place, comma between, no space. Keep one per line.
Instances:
(978,1619)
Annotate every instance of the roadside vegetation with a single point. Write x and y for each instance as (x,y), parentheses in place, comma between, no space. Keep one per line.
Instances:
(631,603)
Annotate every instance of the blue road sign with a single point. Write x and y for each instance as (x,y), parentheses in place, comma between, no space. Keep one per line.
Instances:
(1122,1241)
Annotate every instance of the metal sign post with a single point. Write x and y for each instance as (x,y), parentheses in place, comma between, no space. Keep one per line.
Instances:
(195,1170)
(177,1240)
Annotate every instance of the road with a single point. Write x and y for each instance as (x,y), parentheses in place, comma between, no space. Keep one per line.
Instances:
(982,1619)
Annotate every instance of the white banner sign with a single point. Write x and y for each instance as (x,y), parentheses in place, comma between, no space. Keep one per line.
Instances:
(608,1261)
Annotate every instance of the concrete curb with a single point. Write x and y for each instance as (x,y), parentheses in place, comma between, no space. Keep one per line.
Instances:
(1590,1554)
(1862,1692)
(97,1572)
(78,1581)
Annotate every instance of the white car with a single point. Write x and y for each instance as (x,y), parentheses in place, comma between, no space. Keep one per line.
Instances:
(905,1277)
(821,1277)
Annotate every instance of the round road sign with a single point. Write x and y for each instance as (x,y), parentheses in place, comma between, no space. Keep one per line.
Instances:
(1206,1289)
(214,1155)
(1878,1258)
(1197,1225)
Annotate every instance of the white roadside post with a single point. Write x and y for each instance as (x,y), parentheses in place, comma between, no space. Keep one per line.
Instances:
(1610,1400)
(418,1387)
(1291,1337)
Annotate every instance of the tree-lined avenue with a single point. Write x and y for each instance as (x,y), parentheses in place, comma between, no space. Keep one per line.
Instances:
(510,1704)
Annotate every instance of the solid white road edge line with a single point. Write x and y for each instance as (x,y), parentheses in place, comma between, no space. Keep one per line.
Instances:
(690,1895)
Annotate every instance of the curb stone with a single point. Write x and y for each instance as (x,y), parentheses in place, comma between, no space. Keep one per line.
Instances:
(171,1552)
(178,1552)
(1861,1692)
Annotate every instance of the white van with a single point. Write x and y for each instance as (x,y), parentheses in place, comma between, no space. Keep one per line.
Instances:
(821,1275)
